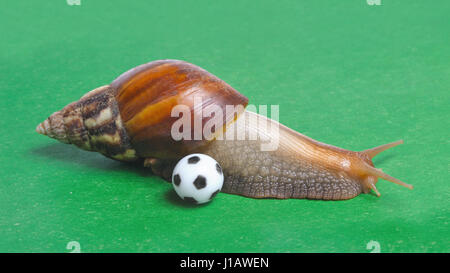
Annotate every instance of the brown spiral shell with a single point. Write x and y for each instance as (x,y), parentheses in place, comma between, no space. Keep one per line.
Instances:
(131,118)
(146,95)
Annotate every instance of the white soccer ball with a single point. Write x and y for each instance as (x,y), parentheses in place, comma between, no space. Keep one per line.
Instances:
(197,178)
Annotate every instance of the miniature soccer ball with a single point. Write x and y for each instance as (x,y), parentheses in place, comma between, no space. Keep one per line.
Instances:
(197,178)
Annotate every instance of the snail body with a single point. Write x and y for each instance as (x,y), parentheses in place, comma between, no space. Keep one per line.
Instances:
(130,120)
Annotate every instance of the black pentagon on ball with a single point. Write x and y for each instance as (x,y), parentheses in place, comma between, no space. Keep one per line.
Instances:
(193,160)
(190,200)
(214,194)
(177,180)
(200,182)
(218,168)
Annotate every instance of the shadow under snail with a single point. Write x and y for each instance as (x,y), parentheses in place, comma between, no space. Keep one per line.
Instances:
(130,120)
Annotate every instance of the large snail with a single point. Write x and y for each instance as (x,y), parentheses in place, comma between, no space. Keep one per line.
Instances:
(131,120)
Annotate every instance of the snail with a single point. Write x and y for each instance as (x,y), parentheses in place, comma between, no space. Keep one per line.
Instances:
(131,120)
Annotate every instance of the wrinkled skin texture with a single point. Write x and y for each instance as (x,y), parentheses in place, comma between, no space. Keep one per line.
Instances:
(281,173)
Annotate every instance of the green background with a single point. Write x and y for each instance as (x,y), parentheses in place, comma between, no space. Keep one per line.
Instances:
(343,72)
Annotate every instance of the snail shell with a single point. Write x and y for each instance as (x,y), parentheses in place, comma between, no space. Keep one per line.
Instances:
(92,123)
(130,120)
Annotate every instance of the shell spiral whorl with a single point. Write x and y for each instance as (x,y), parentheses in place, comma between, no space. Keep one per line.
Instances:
(93,123)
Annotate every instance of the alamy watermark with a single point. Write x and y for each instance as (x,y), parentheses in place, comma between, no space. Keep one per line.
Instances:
(204,121)
(373,2)
(73,2)
(374,246)
(74,246)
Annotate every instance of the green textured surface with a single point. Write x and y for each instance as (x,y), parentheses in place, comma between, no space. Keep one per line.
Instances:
(343,72)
